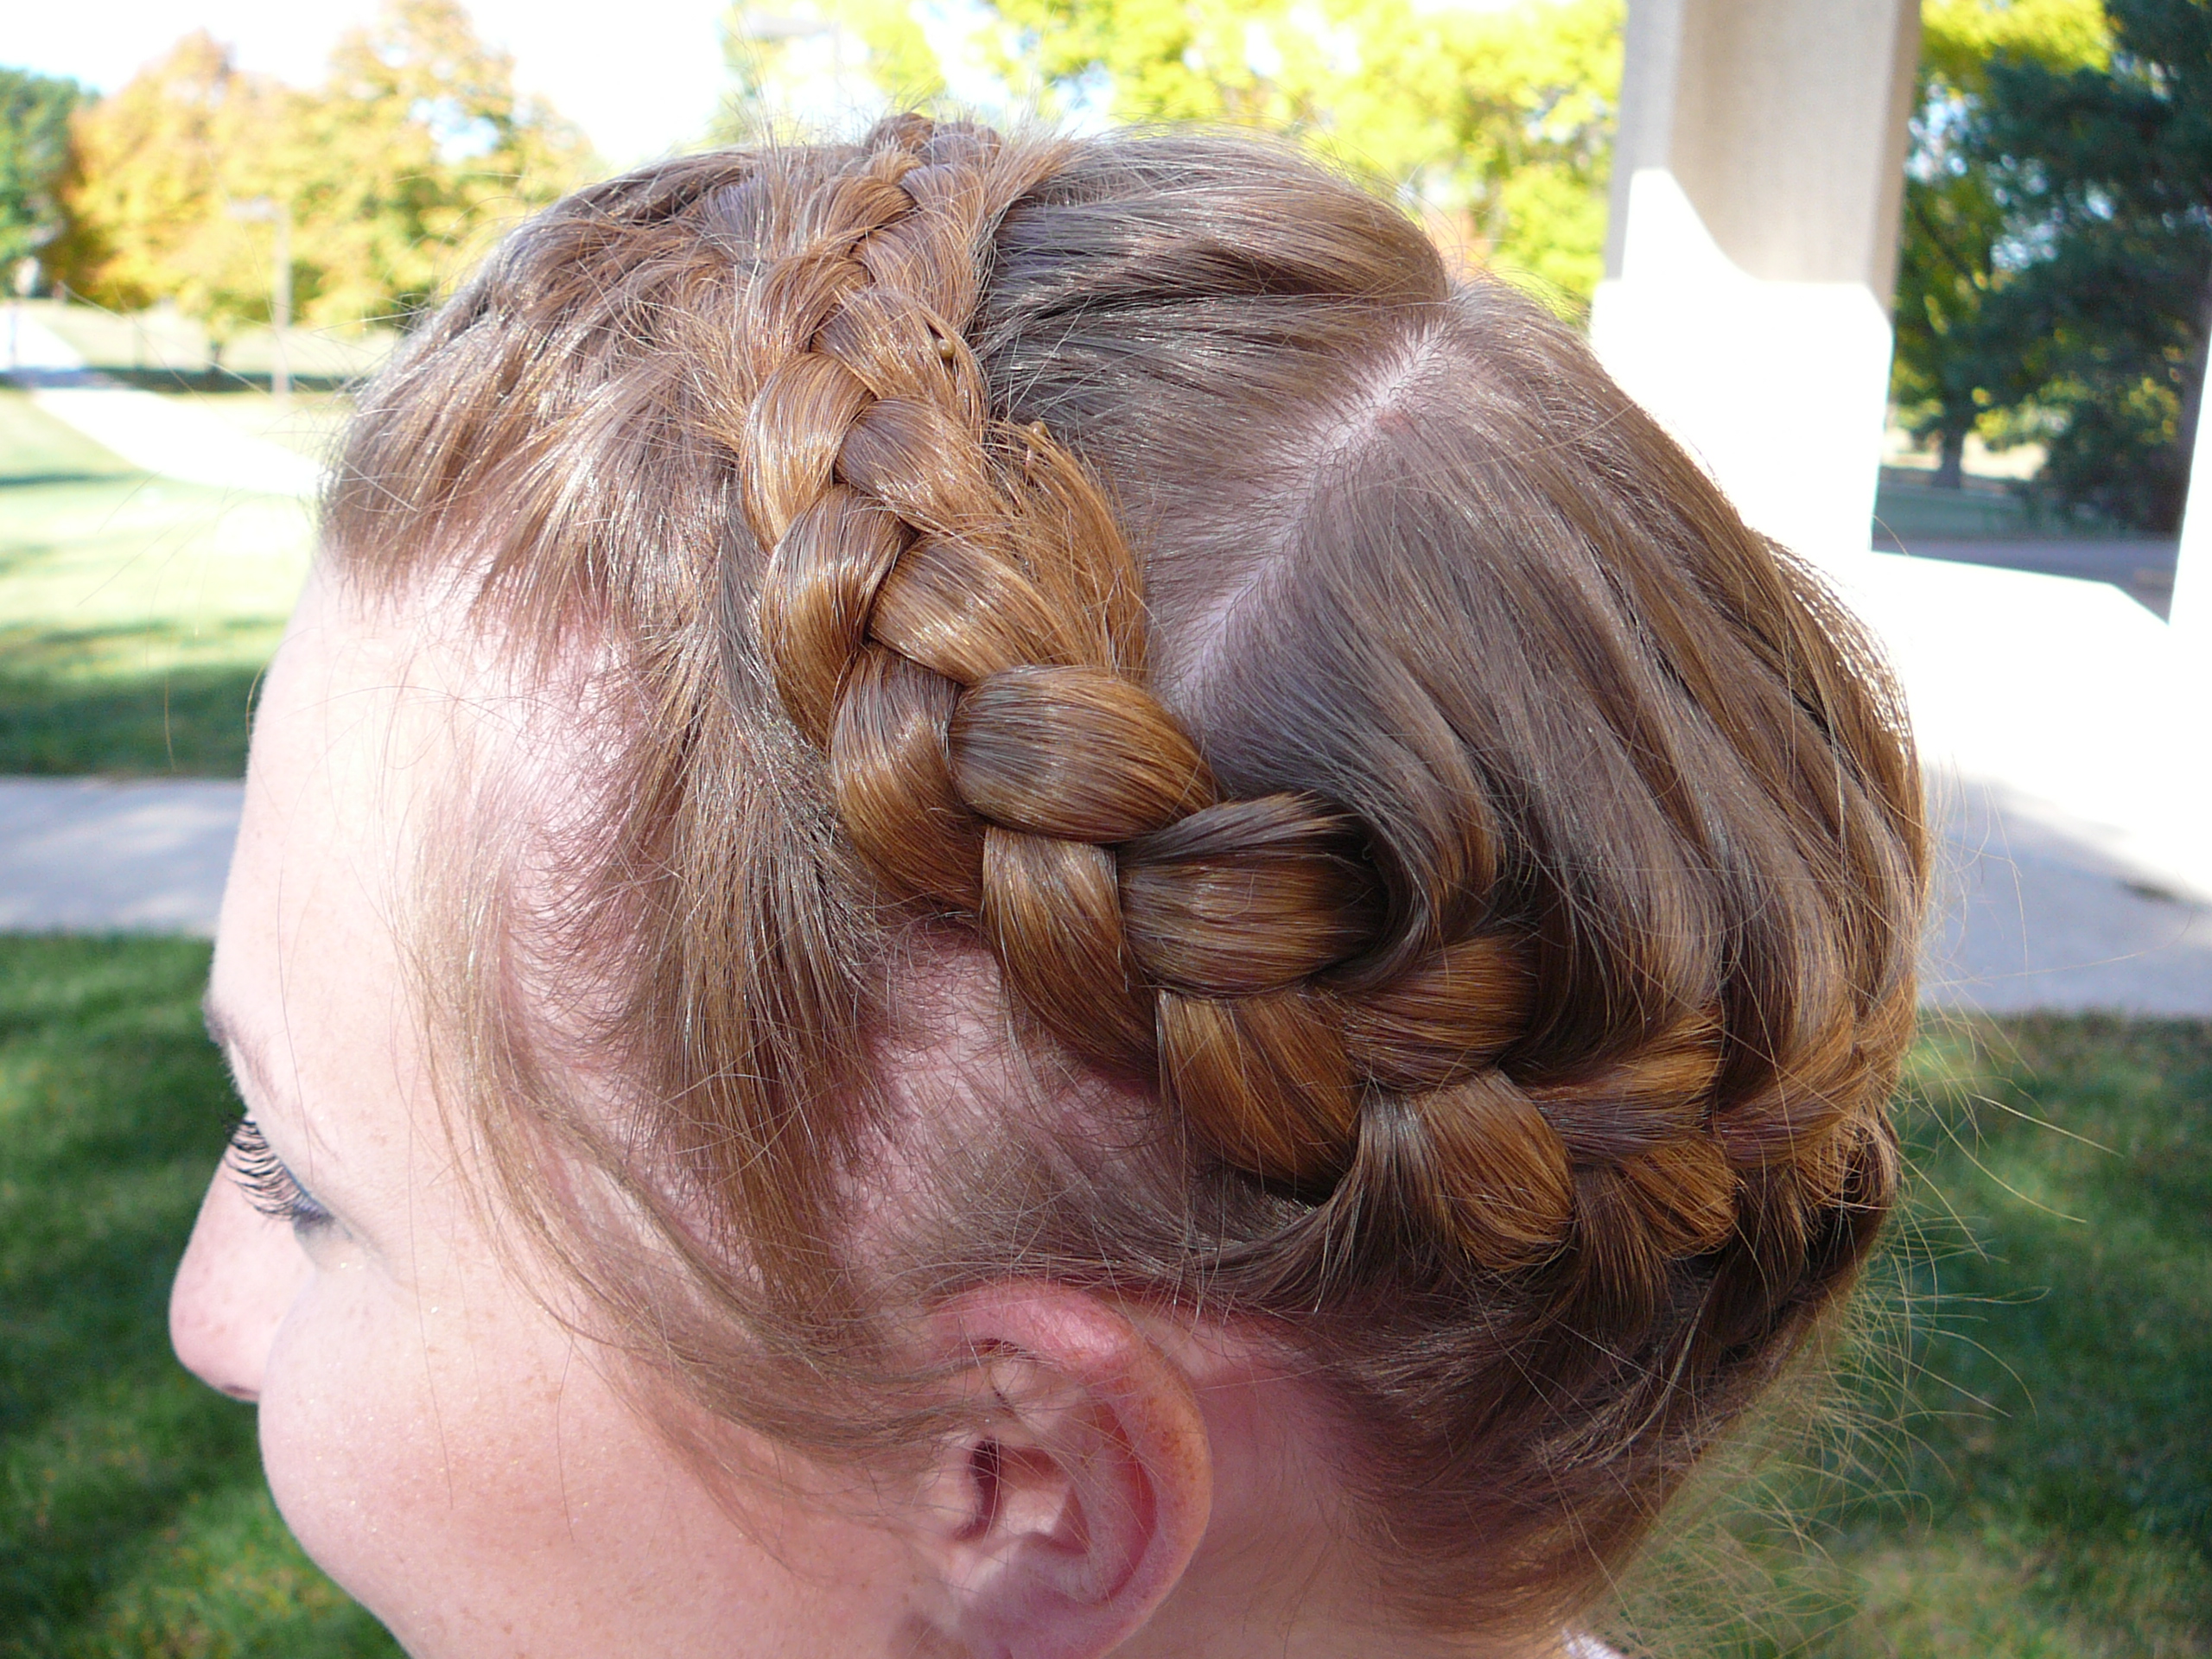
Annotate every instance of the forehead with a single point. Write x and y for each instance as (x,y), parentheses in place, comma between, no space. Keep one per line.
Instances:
(366,719)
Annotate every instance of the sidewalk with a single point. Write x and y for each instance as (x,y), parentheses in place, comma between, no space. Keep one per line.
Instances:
(2140,567)
(84,854)
(171,436)
(2030,911)
(2074,702)
(2033,911)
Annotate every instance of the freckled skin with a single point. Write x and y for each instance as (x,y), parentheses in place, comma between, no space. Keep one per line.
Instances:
(437,1440)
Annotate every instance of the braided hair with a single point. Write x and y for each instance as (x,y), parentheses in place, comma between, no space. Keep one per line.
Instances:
(1348,724)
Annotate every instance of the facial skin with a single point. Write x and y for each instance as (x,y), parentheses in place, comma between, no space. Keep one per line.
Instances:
(435,1439)
(464,1464)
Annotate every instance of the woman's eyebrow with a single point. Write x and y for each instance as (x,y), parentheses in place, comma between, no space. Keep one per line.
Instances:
(244,1053)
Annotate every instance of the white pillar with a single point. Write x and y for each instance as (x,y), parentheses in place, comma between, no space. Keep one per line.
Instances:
(2189,625)
(1753,249)
(2191,613)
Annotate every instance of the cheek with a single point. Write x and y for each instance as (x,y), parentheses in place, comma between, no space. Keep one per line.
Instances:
(416,1440)
(456,1464)
(366,1447)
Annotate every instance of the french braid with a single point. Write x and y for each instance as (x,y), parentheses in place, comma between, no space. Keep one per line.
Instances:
(1493,871)
(952,612)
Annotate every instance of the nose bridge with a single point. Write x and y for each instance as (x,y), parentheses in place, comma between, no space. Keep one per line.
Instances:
(239,1275)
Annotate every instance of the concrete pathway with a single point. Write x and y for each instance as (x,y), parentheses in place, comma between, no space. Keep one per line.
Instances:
(171,436)
(82,855)
(2140,567)
(2080,707)
(2032,912)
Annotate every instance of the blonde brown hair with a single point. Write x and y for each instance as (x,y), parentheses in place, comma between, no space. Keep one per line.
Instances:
(1361,739)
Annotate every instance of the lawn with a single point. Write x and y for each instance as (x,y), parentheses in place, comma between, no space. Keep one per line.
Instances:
(133,1518)
(157,346)
(136,613)
(2018,1464)
(2014,1466)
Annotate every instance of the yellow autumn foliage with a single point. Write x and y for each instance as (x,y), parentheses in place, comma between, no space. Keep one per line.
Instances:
(395,171)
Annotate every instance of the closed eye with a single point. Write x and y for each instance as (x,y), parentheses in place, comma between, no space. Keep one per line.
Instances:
(268,1186)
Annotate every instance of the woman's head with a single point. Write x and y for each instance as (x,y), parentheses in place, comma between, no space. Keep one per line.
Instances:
(997,725)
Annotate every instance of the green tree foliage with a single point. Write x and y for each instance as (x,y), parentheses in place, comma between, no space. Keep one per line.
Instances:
(2056,271)
(34,113)
(420,152)
(396,172)
(1951,369)
(864,51)
(2107,172)
(1497,125)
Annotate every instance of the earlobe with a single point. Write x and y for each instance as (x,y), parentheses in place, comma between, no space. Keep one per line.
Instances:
(1071,1509)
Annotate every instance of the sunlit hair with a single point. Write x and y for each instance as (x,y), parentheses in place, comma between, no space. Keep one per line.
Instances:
(1443,892)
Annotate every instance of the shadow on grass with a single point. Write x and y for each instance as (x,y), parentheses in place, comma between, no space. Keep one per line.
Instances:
(32,480)
(82,701)
(205,381)
(2009,1456)
(133,1518)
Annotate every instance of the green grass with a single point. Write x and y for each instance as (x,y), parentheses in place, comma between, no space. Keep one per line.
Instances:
(2015,1467)
(133,1517)
(135,613)
(1909,504)
(2019,1463)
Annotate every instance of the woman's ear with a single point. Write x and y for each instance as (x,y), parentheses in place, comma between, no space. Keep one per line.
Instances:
(1064,1517)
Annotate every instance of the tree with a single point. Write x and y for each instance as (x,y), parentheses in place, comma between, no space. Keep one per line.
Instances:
(2107,175)
(395,173)
(781,59)
(1498,123)
(2056,269)
(34,113)
(1954,369)
(155,167)
(413,157)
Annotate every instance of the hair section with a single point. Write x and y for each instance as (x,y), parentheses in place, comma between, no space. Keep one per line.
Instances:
(1459,885)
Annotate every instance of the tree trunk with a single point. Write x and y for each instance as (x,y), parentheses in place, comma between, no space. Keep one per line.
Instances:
(1951,462)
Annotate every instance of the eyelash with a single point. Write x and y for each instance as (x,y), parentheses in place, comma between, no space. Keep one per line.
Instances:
(268,1185)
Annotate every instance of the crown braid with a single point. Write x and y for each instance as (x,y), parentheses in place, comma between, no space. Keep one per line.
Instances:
(1503,867)
(953,613)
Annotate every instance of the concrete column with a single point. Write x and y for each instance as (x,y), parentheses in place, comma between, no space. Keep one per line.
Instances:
(2191,613)
(1752,247)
